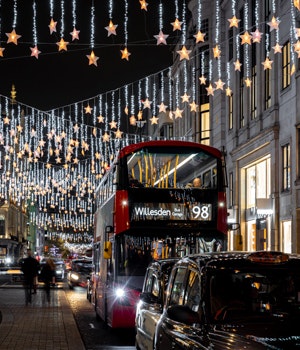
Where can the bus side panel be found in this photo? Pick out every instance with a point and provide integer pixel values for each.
(122, 220)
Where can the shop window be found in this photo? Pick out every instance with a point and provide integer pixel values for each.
(286, 167)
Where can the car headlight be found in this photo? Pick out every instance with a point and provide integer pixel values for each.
(74, 276)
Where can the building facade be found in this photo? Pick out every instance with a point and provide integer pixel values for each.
(248, 102)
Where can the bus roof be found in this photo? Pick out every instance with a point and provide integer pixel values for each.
(169, 143)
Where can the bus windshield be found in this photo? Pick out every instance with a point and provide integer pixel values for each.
(172, 168)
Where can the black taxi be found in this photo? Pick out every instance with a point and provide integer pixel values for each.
(232, 300)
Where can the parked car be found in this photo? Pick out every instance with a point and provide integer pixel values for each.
(80, 272)
(151, 301)
(232, 300)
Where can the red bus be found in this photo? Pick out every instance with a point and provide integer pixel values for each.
(158, 199)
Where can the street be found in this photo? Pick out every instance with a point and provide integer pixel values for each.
(93, 333)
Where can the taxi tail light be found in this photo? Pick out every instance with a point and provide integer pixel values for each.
(268, 257)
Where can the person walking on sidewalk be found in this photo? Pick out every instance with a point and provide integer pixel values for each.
(30, 269)
(48, 276)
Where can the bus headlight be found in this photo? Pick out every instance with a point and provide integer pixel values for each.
(120, 293)
(74, 276)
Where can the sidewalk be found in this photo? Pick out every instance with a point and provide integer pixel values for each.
(38, 326)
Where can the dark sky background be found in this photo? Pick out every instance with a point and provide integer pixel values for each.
(58, 79)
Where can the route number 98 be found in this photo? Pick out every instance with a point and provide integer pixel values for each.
(202, 212)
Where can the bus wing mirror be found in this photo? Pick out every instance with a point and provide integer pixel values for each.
(107, 250)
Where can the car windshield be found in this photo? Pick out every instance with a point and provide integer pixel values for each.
(82, 266)
(259, 293)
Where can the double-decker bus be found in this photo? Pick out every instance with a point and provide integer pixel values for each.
(149, 206)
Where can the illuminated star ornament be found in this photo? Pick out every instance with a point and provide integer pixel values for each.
(297, 4)
(125, 54)
(199, 37)
(267, 63)
(234, 22)
(193, 106)
(176, 25)
(237, 65)
(219, 84)
(161, 38)
(147, 103)
(256, 36)
(52, 26)
(185, 98)
(184, 53)
(228, 91)
(202, 80)
(248, 82)
(162, 108)
(144, 5)
(62, 45)
(210, 90)
(246, 38)
(13, 37)
(88, 109)
(277, 48)
(154, 120)
(217, 51)
(35, 52)
(118, 134)
(274, 24)
(75, 34)
(111, 28)
(92, 59)
(1, 51)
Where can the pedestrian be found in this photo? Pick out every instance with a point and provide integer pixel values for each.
(30, 268)
(48, 276)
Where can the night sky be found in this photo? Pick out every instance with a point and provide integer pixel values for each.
(58, 79)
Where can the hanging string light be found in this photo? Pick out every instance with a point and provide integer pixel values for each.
(199, 36)
(92, 57)
(34, 50)
(75, 32)
(111, 28)
(13, 37)
(125, 53)
(62, 44)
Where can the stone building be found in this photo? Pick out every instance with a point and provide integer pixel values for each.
(249, 108)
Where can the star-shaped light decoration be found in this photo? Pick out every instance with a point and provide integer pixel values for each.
(6, 120)
(147, 103)
(237, 65)
(176, 25)
(199, 37)
(293, 69)
(92, 59)
(35, 52)
(125, 54)
(75, 34)
(185, 98)
(246, 38)
(267, 63)
(62, 45)
(184, 53)
(248, 82)
(274, 24)
(100, 118)
(297, 4)
(219, 84)
(178, 113)
(162, 108)
(234, 22)
(161, 38)
(277, 48)
(144, 5)
(111, 28)
(113, 124)
(202, 80)
(297, 32)
(193, 106)
(52, 26)
(126, 110)
(13, 37)
(105, 137)
(297, 46)
(132, 120)
(140, 114)
(154, 120)
(210, 90)
(88, 109)
(228, 91)
(1, 51)
(76, 128)
(118, 134)
(256, 36)
(217, 51)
